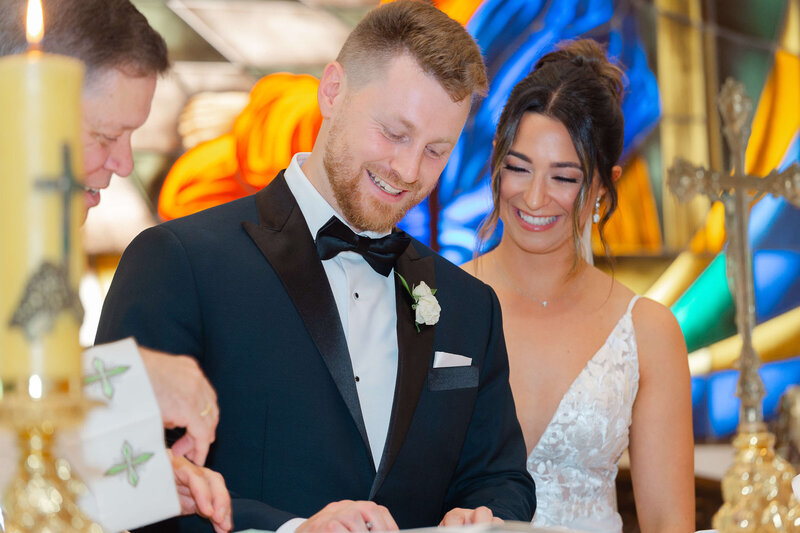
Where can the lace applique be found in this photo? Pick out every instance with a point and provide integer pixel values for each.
(574, 464)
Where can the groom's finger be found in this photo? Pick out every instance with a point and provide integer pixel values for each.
(480, 515)
(353, 516)
(454, 517)
(335, 526)
(378, 518)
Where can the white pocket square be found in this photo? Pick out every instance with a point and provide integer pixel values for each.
(445, 360)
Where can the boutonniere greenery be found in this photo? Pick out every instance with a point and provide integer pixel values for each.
(426, 306)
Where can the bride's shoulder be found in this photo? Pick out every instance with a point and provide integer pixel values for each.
(647, 314)
(655, 328)
(658, 334)
(650, 314)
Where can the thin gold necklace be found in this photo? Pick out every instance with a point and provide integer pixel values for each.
(529, 296)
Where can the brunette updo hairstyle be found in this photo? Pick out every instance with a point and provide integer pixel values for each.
(580, 88)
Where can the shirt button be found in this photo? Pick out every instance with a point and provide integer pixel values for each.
(358, 379)
(355, 296)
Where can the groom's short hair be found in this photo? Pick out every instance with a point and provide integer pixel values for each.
(441, 47)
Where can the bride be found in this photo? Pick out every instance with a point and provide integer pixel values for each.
(594, 368)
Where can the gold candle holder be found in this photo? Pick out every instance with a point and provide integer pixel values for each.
(43, 496)
(757, 489)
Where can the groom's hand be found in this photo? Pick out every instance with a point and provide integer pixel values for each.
(347, 515)
(463, 517)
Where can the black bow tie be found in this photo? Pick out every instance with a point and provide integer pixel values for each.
(381, 254)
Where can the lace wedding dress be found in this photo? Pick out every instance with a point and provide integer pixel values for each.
(574, 464)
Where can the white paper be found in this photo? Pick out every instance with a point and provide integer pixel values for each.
(127, 431)
(128, 414)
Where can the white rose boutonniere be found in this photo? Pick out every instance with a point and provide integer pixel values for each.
(425, 304)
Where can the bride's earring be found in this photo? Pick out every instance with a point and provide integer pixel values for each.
(596, 216)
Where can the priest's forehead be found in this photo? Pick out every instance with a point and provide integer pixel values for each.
(115, 102)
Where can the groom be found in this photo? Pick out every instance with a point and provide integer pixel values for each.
(343, 407)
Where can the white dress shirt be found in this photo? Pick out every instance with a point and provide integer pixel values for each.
(366, 304)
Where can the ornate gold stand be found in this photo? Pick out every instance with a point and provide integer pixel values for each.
(43, 496)
(757, 489)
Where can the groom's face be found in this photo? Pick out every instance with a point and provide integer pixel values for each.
(389, 142)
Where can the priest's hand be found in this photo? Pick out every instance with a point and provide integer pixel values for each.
(202, 491)
(186, 399)
(348, 515)
(463, 517)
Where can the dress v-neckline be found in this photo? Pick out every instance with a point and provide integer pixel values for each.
(580, 373)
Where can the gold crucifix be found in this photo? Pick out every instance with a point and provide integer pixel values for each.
(756, 489)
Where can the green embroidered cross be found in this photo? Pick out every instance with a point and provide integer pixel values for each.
(129, 464)
(103, 375)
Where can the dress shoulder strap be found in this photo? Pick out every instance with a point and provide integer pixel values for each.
(632, 303)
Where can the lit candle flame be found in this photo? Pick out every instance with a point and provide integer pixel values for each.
(35, 23)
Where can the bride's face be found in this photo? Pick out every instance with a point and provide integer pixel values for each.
(540, 179)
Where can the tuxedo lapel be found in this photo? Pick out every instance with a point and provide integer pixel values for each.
(284, 239)
(415, 350)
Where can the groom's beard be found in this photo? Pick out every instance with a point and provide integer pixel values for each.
(349, 182)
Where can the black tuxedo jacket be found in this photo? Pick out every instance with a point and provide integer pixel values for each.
(241, 288)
